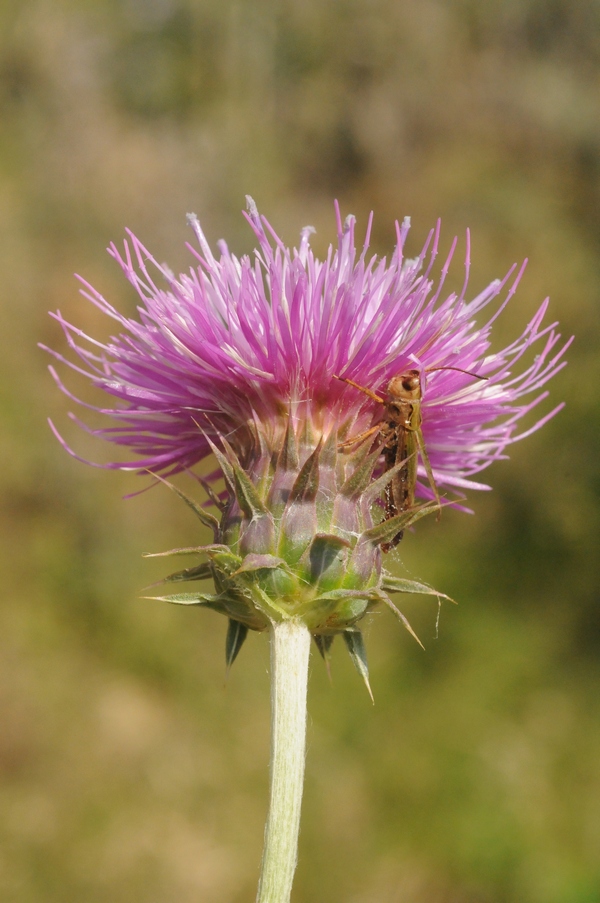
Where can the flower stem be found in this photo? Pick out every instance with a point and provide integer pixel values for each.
(290, 647)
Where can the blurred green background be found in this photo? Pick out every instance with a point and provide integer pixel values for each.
(130, 772)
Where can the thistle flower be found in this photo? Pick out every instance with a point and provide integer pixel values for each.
(238, 357)
(259, 361)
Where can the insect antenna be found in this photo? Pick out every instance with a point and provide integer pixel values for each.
(458, 370)
(366, 391)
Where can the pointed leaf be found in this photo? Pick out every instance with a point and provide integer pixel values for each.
(208, 519)
(225, 560)
(223, 463)
(200, 572)
(189, 550)
(186, 598)
(377, 487)
(267, 606)
(335, 594)
(236, 634)
(217, 502)
(343, 429)
(398, 585)
(330, 450)
(323, 643)
(248, 498)
(324, 554)
(262, 447)
(306, 437)
(361, 477)
(208, 549)
(358, 654)
(230, 453)
(402, 618)
(332, 539)
(306, 484)
(245, 491)
(253, 562)
(288, 453)
(340, 608)
(363, 447)
(387, 529)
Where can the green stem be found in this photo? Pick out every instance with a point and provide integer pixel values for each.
(290, 647)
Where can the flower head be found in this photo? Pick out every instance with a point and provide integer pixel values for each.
(250, 358)
(262, 339)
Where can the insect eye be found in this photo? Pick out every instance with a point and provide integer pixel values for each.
(410, 383)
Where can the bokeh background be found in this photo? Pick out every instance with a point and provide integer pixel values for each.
(130, 772)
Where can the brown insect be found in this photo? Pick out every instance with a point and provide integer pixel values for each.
(402, 441)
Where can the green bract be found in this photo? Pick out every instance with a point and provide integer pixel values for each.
(296, 539)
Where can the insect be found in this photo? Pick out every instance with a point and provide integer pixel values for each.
(402, 441)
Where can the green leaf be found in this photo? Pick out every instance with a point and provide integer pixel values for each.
(306, 484)
(212, 549)
(288, 453)
(335, 594)
(358, 654)
(398, 585)
(306, 434)
(361, 477)
(223, 463)
(329, 451)
(248, 498)
(323, 552)
(225, 560)
(323, 643)
(336, 612)
(402, 618)
(387, 529)
(189, 550)
(266, 605)
(245, 491)
(263, 448)
(186, 599)
(217, 502)
(202, 571)
(377, 488)
(236, 634)
(343, 429)
(208, 519)
(254, 562)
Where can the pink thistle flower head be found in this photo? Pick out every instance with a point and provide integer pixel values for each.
(258, 359)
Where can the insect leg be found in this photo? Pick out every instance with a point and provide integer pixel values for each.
(429, 471)
(368, 392)
(361, 436)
